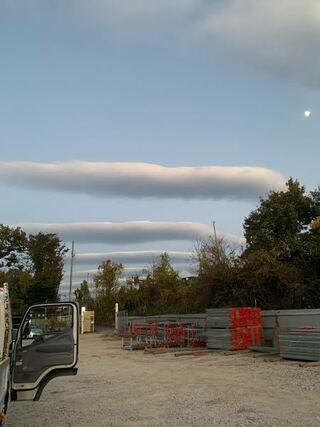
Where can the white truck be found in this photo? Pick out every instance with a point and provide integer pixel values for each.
(45, 346)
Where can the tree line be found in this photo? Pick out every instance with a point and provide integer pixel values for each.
(279, 266)
(32, 265)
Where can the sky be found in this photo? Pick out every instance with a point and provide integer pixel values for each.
(129, 126)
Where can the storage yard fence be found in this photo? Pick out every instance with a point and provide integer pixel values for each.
(293, 334)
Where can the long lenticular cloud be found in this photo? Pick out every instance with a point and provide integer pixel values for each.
(132, 257)
(128, 232)
(83, 274)
(143, 180)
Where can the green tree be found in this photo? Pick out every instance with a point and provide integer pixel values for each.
(218, 274)
(14, 266)
(107, 284)
(46, 252)
(161, 285)
(281, 260)
(130, 296)
(267, 282)
(279, 220)
(83, 296)
(19, 282)
(160, 291)
(13, 244)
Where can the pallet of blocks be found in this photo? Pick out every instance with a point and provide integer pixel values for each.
(235, 328)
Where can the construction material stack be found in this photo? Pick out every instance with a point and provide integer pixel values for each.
(294, 334)
(234, 328)
(87, 321)
(300, 344)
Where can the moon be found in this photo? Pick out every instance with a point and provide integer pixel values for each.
(307, 113)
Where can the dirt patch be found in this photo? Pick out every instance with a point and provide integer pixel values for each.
(130, 389)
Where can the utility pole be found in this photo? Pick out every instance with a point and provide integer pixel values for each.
(215, 232)
(216, 239)
(71, 269)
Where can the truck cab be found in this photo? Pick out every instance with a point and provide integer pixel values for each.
(43, 347)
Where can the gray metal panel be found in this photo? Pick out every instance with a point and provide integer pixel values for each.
(218, 318)
(291, 318)
(300, 344)
(288, 319)
(219, 338)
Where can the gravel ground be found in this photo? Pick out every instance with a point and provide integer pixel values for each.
(130, 389)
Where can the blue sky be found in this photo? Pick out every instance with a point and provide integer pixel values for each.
(187, 83)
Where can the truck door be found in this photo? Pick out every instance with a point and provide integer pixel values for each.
(46, 346)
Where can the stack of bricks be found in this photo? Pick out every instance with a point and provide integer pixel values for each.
(234, 328)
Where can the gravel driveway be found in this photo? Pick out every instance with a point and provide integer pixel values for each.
(120, 388)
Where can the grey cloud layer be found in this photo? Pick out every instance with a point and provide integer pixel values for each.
(132, 257)
(128, 10)
(281, 36)
(128, 232)
(82, 274)
(143, 180)
(139, 19)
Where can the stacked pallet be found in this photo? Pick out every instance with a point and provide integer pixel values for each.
(234, 328)
(87, 321)
(293, 333)
(300, 344)
(275, 321)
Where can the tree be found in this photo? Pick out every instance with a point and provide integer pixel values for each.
(218, 271)
(161, 285)
(107, 283)
(33, 266)
(83, 296)
(130, 297)
(160, 291)
(283, 248)
(268, 282)
(14, 265)
(46, 252)
(13, 243)
(281, 218)
(19, 282)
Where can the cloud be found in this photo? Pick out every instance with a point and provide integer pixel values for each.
(136, 18)
(144, 9)
(83, 274)
(142, 180)
(131, 257)
(281, 36)
(128, 232)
